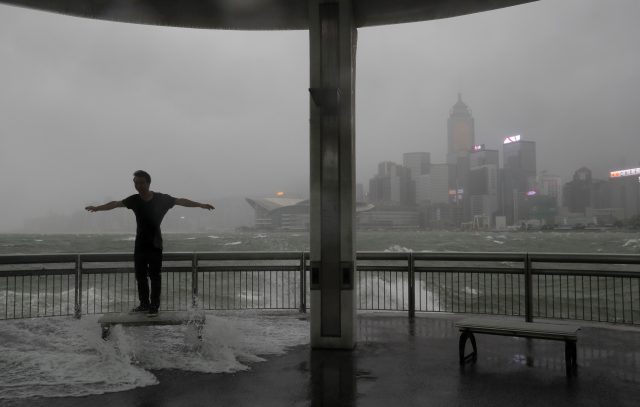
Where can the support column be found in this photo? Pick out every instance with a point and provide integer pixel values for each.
(332, 38)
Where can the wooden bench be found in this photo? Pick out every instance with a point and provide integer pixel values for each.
(141, 319)
(535, 330)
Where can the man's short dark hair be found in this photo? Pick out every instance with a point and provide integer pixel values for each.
(144, 174)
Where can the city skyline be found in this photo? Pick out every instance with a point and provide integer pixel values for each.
(226, 113)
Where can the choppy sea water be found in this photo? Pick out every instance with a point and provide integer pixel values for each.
(568, 242)
(62, 356)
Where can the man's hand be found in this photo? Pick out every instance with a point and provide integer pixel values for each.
(207, 206)
(105, 207)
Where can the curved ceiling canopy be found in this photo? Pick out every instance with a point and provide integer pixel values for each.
(257, 14)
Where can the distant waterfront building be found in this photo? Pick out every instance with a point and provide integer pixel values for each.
(518, 177)
(460, 131)
(438, 185)
(391, 185)
(280, 213)
(418, 163)
(395, 217)
(625, 188)
(483, 185)
(550, 185)
(578, 192)
(277, 213)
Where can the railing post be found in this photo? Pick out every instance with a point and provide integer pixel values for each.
(412, 287)
(303, 283)
(194, 280)
(77, 308)
(528, 289)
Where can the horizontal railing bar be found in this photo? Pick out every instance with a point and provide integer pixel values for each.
(587, 273)
(470, 256)
(403, 269)
(216, 269)
(106, 257)
(474, 270)
(382, 256)
(247, 256)
(599, 258)
(37, 258)
(38, 272)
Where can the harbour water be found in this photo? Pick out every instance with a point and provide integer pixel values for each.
(621, 242)
(61, 356)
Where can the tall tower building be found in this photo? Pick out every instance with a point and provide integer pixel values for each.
(483, 185)
(519, 177)
(460, 131)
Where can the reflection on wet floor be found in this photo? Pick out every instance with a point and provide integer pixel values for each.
(614, 349)
(400, 362)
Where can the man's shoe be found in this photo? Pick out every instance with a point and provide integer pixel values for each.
(140, 308)
(153, 312)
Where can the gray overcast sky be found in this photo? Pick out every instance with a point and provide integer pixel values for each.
(214, 114)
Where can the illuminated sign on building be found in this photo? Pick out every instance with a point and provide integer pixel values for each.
(511, 139)
(478, 147)
(531, 193)
(624, 173)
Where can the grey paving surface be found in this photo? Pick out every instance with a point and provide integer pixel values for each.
(399, 363)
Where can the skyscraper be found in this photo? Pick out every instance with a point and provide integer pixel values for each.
(519, 177)
(417, 162)
(391, 185)
(483, 184)
(460, 131)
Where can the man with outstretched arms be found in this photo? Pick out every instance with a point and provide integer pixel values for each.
(149, 208)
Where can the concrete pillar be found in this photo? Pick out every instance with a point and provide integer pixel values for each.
(332, 37)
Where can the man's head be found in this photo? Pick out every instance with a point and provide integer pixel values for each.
(141, 181)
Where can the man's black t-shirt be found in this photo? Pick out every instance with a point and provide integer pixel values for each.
(149, 216)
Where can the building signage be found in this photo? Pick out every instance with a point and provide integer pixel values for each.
(478, 147)
(511, 139)
(624, 173)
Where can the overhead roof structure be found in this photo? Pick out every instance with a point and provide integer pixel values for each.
(332, 30)
(257, 14)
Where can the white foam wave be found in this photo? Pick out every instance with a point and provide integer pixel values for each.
(62, 356)
(397, 248)
(232, 243)
(213, 237)
(471, 291)
(126, 239)
(390, 292)
(634, 243)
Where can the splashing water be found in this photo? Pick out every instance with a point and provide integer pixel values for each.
(62, 356)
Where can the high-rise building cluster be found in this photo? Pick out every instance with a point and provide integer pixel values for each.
(475, 189)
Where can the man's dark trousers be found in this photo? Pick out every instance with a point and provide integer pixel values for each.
(148, 265)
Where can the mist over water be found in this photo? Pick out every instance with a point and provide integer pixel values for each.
(417, 241)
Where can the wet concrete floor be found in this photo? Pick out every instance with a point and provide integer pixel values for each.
(402, 363)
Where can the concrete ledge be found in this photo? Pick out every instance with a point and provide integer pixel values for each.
(141, 319)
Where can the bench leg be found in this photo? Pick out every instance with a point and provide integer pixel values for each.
(571, 357)
(105, 332)
(464, 335)
(199, 328)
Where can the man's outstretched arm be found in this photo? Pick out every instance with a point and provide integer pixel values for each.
(192, 204)
(106, 207)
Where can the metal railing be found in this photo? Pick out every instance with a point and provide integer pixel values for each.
(592, 287)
